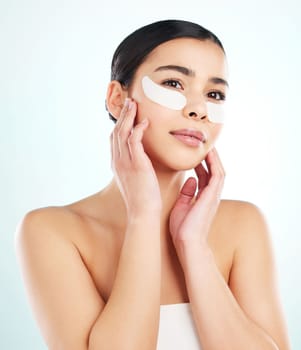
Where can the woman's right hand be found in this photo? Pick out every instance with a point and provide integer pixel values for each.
(134, 173)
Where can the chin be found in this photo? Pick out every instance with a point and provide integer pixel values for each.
(176, 158)
(177, 163)
(185, 165)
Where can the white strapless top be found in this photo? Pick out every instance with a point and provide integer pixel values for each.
(177, 330)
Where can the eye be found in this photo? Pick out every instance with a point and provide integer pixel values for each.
(217, 95)
(173, 83)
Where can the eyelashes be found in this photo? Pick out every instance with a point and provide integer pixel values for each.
(217, 95)
(221, 95)
(173, 83)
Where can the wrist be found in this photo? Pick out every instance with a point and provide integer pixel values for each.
(194, 253)
(145, 217)
(144, 212)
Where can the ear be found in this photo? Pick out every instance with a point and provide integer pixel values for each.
(116, 95)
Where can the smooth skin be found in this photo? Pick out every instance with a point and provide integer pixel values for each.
(97, 270)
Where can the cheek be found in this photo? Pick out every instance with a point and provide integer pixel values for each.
(215, 131)
(156, 114)
(160, 123)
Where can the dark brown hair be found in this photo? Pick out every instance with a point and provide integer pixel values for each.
(136, 47)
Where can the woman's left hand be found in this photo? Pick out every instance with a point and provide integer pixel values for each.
(197, 204)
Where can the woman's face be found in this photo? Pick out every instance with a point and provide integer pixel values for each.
(190, 67)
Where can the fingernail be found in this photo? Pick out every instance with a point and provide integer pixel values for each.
(131, 104)
(126, 102)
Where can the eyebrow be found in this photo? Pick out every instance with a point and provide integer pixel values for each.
(180, 69)
(190, 73)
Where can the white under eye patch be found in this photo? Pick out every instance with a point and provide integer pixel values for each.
(164, 97)
(215, 112)
(176, 100)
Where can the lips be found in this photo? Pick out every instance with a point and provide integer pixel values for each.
(189, 134)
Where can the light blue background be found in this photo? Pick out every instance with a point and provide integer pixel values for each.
(54, 145)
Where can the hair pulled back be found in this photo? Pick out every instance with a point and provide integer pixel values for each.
(136, 47)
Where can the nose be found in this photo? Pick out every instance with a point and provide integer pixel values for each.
(196, 115)
(196, 109)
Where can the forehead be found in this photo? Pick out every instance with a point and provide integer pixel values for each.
(203, 57)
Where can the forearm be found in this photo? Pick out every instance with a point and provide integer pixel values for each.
(218, 317)
(131, 316)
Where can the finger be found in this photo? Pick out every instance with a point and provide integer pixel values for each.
(115, 147)
(187, 192)
(112, 149)
(123, 129)
(127, 122)
(135, 140)
(122, 115)
(216, 171)
(203, 177)
(116, 152)
(214, 165)
(189, 187)
(219, 162)
(126, 128)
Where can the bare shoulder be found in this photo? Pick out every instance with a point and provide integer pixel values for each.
(51, 214)
(241, 218)
(58, 282)
(239, 209)
(53, 220)
(238, 227)
(73, 222)
(253, 276)
(44, 229)
(235, 221)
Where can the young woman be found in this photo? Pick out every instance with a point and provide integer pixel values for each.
(154, 260)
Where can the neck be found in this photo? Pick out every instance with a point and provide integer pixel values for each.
(170, 184)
